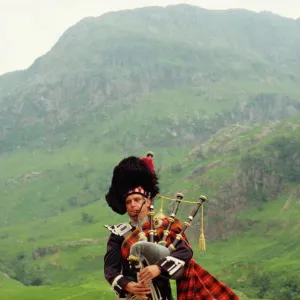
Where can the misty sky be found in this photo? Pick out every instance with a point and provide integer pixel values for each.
(29, 28)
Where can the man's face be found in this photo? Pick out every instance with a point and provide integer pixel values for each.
(134, 203)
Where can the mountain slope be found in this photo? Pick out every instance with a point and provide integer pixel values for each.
(104, 67)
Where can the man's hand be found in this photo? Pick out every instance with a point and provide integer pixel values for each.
(148, 273)
(137, 289)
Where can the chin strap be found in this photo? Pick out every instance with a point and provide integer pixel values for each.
(141, 233)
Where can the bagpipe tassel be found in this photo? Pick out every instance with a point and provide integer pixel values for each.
(202, 244)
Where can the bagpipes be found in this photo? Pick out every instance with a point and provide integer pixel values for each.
(148, 250)
(154, 251)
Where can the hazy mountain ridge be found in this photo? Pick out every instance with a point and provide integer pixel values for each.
(101, 65)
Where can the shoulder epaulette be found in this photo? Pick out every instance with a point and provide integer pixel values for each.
(120, 229)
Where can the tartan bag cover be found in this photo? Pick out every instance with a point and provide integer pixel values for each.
(196, 283)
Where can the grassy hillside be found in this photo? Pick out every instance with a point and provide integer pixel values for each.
(45, 244)
(251, 173)
(7, 282)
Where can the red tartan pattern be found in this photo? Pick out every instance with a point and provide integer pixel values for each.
(133, 237)
(197, 283)
(137, 190)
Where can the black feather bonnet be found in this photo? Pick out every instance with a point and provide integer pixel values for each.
(132, 175)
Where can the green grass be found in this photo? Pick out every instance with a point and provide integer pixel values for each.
(7, 283)
(88, 291)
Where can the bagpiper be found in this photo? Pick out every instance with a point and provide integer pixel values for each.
(146, 253)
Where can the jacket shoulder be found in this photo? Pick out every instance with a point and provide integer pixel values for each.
(119, 229)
